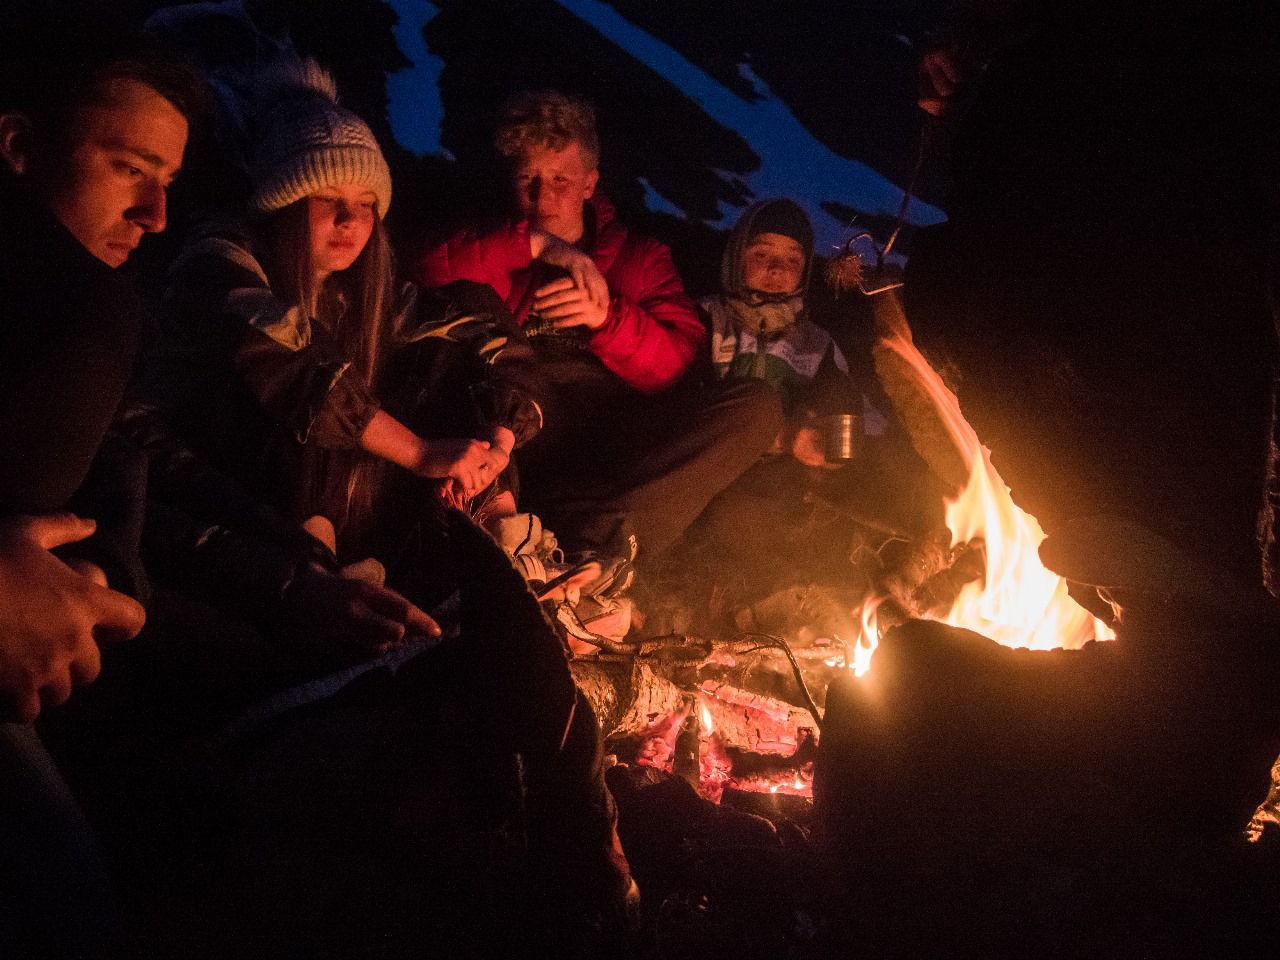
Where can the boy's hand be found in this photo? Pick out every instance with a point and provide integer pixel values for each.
(582, 270)
(568, 305)
(806, 446)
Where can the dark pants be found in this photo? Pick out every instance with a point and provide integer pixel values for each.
(782, 520)
(54, 897)
(240, 800)
(610, 460)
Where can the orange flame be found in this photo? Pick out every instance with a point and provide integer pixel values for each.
(715, 767)
(704, 714)
(1018, 602)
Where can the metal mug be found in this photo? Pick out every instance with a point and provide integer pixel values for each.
(843, 436)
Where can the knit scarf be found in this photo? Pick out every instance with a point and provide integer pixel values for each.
(766, 318)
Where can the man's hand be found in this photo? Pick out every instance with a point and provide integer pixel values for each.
(568, 305)
(51, 615)
(501, 438)
(326, 617)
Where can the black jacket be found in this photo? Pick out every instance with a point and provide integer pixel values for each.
(69, 328)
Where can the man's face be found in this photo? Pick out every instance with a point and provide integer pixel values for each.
(551, 187)
(111, 187)
(773, 263)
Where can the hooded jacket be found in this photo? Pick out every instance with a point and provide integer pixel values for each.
(651, 335)
(798, 357)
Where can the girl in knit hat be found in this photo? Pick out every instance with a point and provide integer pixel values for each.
(303, 367)
(293, 362)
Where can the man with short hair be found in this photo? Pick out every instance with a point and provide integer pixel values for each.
(86, 169)
(90, 145)
(629, 442)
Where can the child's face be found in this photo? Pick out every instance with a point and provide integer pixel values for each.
(773, 264)
(552, 185)
(341, 220)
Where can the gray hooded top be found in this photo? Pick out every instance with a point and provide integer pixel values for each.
(767, 336)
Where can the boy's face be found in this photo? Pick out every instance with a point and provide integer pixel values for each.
(552, 185)
(773, 263)
(108, 183)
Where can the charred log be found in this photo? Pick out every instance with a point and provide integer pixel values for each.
(753, 721)
(747, 763)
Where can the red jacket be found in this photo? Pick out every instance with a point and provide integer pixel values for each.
(651, 335)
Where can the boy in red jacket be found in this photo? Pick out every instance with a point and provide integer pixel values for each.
(631, 443)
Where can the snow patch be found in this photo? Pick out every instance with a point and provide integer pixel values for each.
(793, 163)
(656, 202)
(414, 106)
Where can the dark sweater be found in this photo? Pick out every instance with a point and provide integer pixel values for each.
(69, 327)
(68, 335)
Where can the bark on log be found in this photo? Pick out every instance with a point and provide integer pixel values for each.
(919, 416)
(626, 695)
(629, 697)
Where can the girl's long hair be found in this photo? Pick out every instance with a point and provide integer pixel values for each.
(354, 310)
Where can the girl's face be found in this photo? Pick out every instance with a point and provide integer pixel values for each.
(341, 220)
(773, 264)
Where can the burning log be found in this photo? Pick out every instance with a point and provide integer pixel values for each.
(929, 577)
(747, 764)
(753, 721)
(629, 694)
(675, 711)
(919, 416)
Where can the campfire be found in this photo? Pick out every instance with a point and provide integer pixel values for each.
(738, 714)
(1015, 601)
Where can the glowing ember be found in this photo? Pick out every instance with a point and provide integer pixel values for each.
(796, 784)
(1018, 602)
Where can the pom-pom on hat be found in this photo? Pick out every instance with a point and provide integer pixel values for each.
(303, 140)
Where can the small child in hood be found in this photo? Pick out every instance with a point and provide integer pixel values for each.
(781, 519)
(760, 328)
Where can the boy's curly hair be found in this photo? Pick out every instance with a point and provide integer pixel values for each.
(546, 118)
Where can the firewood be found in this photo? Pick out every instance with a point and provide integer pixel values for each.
(967, 563)
(919, 416)
(752, 721)
(912, 567)
(628, 696)
(748, 763)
